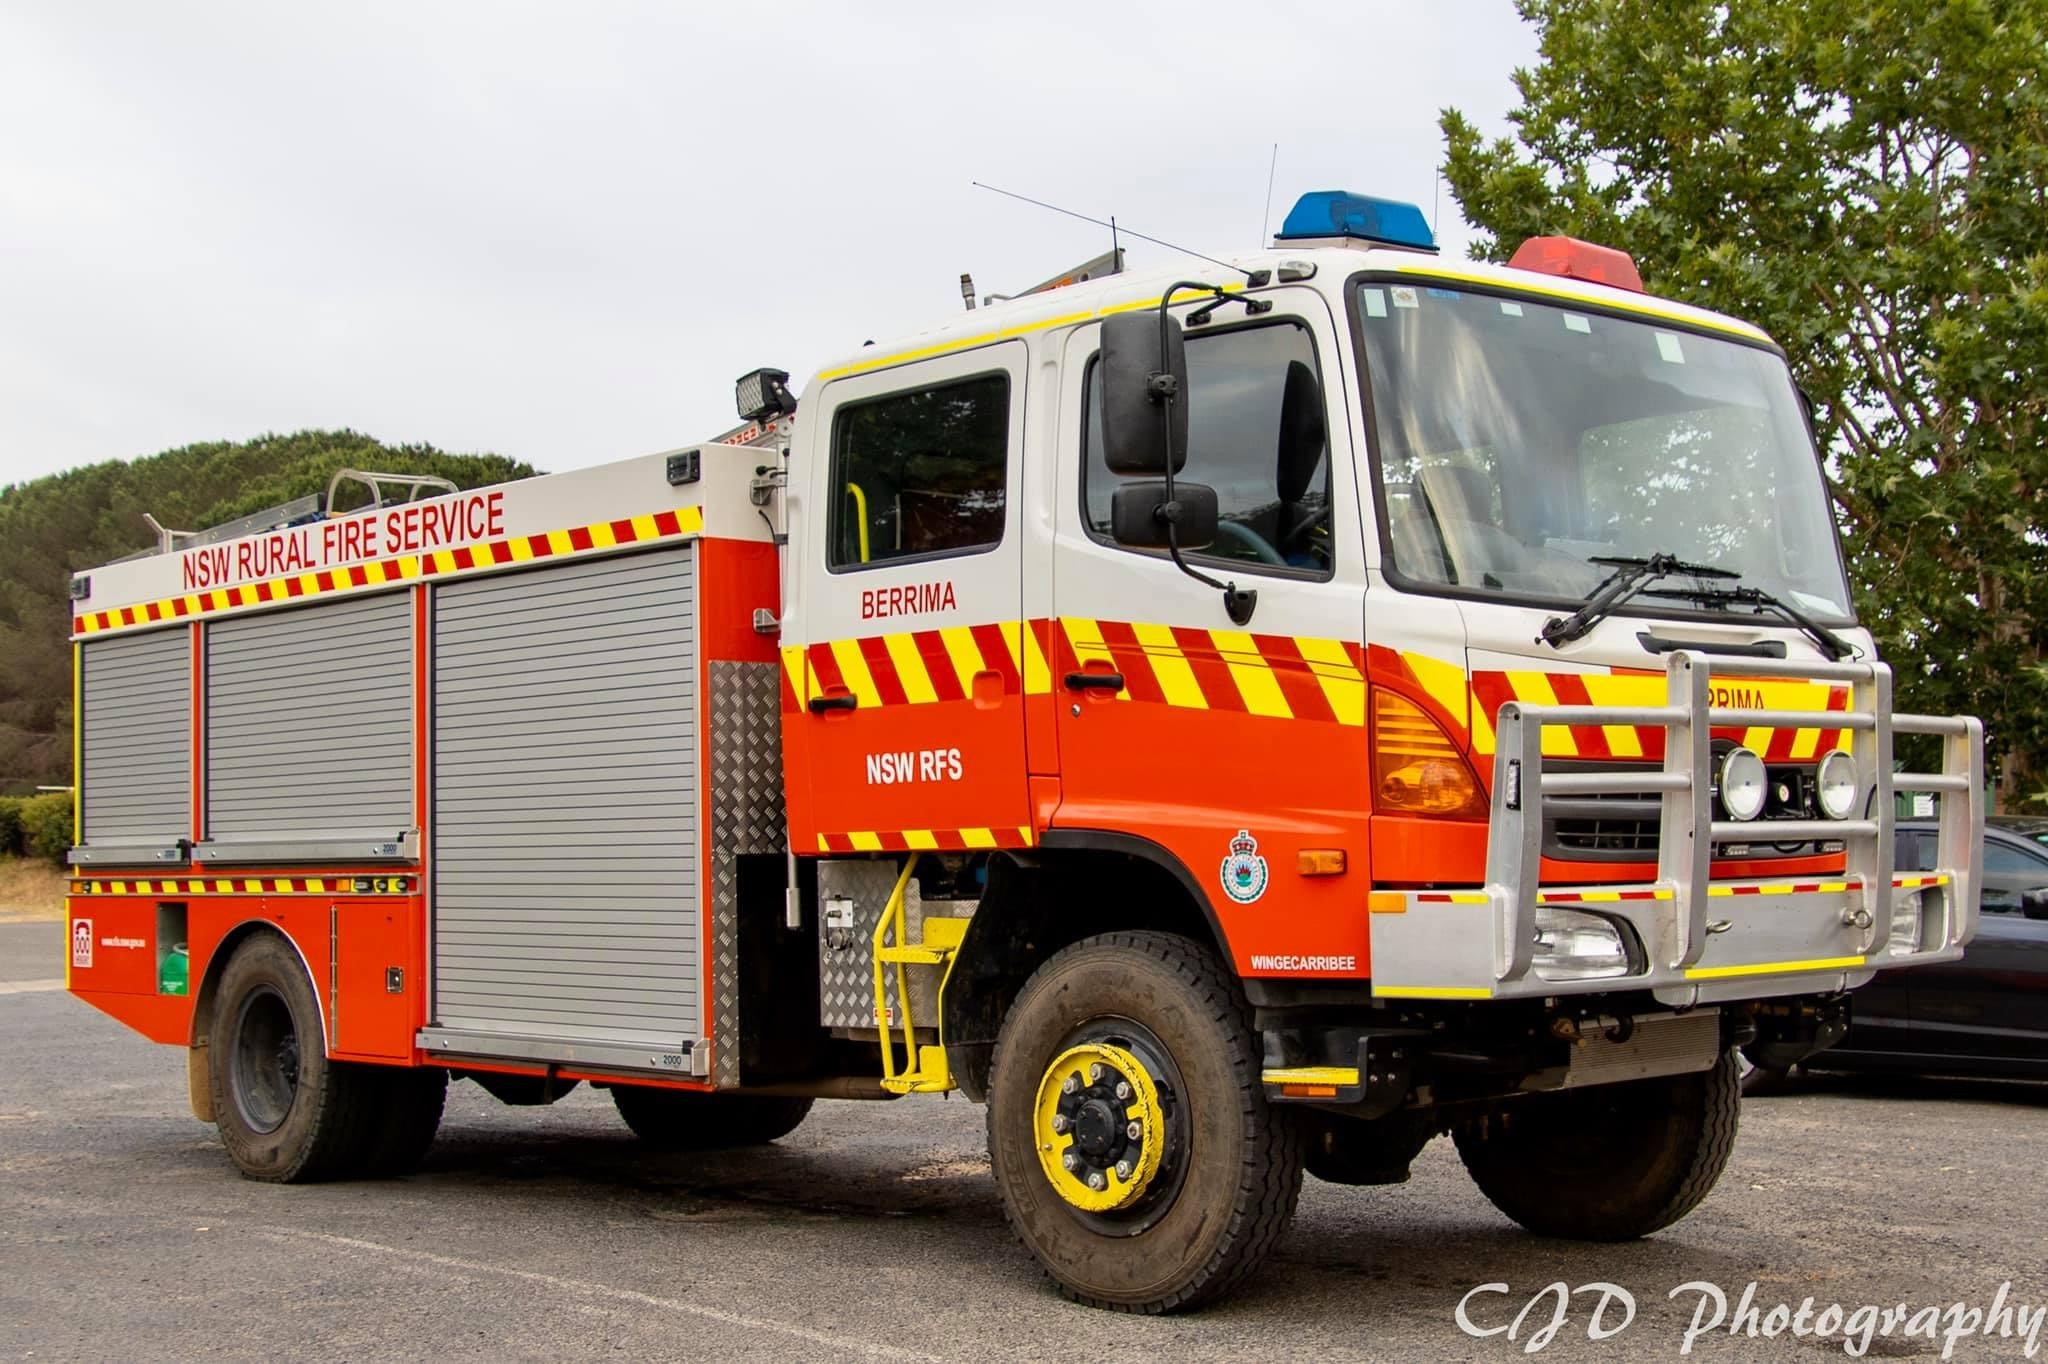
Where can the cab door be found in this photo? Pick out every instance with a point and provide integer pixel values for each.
(907, 664)
(1235, 748)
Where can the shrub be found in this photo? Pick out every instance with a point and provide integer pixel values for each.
(46, 826)
(10, 825)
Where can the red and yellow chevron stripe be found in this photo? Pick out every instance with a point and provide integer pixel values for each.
(927, 840)
(1471, 703)
(254, 885)
(600, 535)
(1279, 676)
(918, 667)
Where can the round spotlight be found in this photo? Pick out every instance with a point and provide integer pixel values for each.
(1836, 786)
(1744, 784)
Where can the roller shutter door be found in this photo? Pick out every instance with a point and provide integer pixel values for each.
(565, 802)
(137, 738)
(309, 721)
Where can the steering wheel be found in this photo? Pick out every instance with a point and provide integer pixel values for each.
(1244, 536)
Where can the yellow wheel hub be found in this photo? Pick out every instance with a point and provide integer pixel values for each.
(1098, 1126)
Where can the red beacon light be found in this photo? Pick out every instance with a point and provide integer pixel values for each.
(1574, 259)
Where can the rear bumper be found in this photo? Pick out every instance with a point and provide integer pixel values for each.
(1694, 940)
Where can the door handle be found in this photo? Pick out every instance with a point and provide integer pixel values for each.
(820, 704)
(1095, 681)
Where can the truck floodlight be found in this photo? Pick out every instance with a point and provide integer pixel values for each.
(1743, 784)
(1835, 785)
(1335, 213)
(763, 394)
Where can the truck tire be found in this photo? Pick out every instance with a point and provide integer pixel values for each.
(409, 1118)
(690, 1120)
(1128, 1127)
(1609, 1163)
(287, 1114)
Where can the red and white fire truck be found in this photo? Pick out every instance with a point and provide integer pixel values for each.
(1226, 724)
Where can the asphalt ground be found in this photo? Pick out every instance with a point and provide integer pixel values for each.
(874, 1232)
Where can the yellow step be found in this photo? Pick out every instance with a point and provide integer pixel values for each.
(942, 937)
(932, 1076)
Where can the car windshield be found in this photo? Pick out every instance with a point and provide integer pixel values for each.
(1519, 441)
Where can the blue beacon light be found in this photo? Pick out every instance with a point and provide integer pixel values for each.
(1338, 213)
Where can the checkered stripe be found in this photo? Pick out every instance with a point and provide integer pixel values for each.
(599, 535)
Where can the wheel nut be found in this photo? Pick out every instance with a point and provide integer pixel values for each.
(1070, 1160)
(1094, 1071)
(1123, 1090)
(1123, 1169)
(1059, 1122)
(1096, 1181)
(1134, 1129)
(1070, 1085)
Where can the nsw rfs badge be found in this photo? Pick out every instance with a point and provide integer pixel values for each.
(1244, 871)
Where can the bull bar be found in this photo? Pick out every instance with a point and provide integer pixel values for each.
(1702, 940)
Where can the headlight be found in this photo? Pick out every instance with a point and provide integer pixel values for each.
(1743, 784)
(1835, 785)
(1574, 945)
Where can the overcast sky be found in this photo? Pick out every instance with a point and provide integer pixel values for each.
(560, 231)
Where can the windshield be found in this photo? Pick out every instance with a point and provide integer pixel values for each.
(1518, 441)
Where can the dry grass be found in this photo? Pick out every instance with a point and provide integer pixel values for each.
(30, 889)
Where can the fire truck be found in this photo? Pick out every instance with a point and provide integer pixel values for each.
(1229, 722)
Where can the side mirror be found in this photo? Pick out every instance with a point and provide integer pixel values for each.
(1138, 426)
(1139, 513)
(2034, 904)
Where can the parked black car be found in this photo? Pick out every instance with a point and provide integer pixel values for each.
(1986, 1014)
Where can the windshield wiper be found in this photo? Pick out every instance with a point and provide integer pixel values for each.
(1760, 601)
(1630, 576)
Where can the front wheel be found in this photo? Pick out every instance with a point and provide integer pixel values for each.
(1609, 1163)
(1128, 1126)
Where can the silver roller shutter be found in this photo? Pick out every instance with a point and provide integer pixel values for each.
(137, 745)
(309, 725)
(564, 820)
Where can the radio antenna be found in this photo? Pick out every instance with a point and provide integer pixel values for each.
(1266, 217)
(1113, 226)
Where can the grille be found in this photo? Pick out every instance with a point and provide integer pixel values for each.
(1622, 826)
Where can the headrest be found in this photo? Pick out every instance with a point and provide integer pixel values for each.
(1302, 436)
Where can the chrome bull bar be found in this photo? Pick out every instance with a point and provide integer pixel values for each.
(1811, 935)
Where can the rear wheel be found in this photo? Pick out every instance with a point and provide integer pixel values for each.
(1609, 1163)
(691, 1120)
(286, 1113)
(410, 1104)
(1128, 1127)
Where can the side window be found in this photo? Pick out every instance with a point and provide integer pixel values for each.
(919, 474)
(1275, 510)
(2004, 857)
(1911, 851)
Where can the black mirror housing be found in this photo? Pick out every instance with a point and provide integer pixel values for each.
(1138, 426)
(2034, 903)
(1135, 514)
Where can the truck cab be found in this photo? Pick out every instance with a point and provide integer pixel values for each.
(1230, 721)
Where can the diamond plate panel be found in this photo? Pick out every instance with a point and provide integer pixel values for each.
(747, 816)
(846, 959)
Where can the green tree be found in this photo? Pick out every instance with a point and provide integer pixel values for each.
(1868, 181)
(52, 527)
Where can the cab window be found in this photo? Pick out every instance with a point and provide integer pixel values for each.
(919, 474)
(1274, 508)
